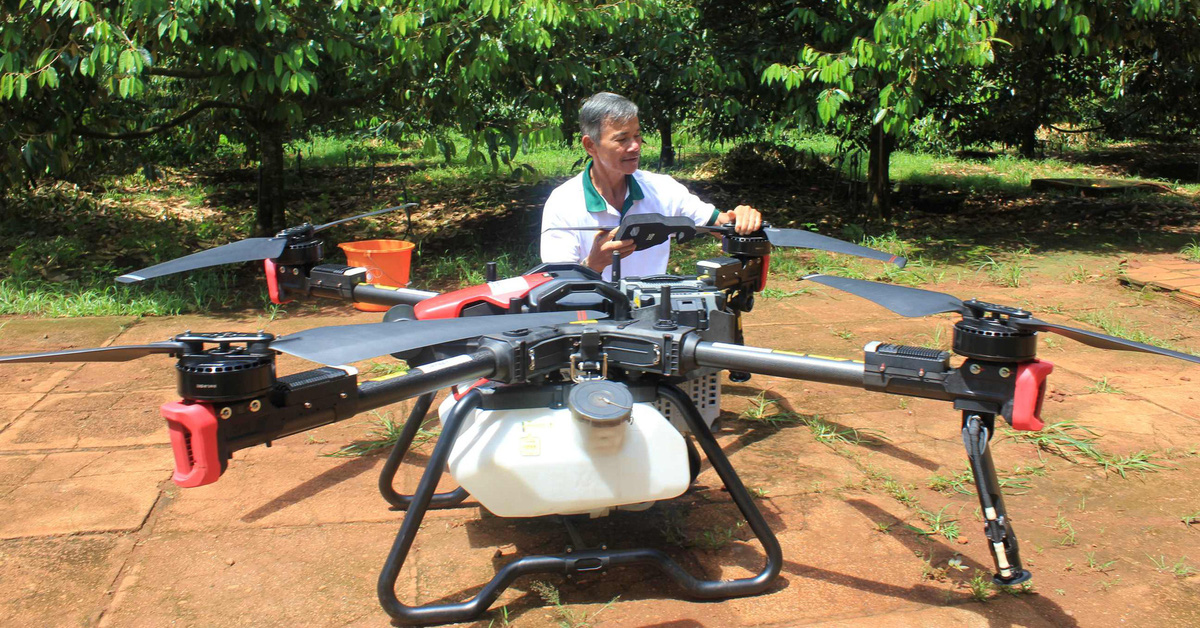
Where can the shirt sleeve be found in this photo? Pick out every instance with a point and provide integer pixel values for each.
(684, 203)
(559, 246)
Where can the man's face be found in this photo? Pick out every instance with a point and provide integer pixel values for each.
(619, 147)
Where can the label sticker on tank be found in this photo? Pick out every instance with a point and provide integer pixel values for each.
(530, 445)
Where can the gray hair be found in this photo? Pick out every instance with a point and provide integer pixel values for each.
(604, 106)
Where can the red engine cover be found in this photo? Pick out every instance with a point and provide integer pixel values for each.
(451, 304)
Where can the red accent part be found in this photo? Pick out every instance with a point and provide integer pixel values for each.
(762, 279)
(273, 282)
(193, 429)
(459, 394)
(498, 293)
(1027, 399)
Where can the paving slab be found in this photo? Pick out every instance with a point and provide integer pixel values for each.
(59, 581)
(103, 503)
(67, 420)
(319, 576)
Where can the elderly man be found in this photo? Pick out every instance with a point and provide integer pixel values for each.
(611, 186)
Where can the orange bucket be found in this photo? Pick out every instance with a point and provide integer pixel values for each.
(387, 263)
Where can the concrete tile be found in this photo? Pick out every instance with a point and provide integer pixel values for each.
(322, 576)
(65, 429)
(77, 505)
(59, 581)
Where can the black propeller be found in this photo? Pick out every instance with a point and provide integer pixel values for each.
(248, 250)
(652, 229)
(914, 302)
(340, 344)
(343, 344)
(101, 354)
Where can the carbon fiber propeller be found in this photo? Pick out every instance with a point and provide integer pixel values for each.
(341, 344)
(914, 302)
(248, 250)
(685, 229)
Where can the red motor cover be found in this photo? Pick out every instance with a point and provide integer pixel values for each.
(193, 429)
(273, 282)
(1027, 399)
(451, 304)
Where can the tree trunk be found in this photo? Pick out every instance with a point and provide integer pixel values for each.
(879, 184)
(667, 154)
(269, 218)
(570, 120)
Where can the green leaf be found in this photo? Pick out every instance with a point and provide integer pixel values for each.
(278, 65)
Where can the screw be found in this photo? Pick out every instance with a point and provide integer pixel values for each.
(975, 369)
(226, 412)
(342, 395)
(295, 271)
(255, 405)
(307, 405)
(882, 368)
(1005, 371)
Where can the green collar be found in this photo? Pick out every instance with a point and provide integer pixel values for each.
(596, 203)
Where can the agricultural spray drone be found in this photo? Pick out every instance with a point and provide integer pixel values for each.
(574, 395)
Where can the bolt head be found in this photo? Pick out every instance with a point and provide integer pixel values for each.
(255, 405)
(226, 412)
(976, 369)
(1005, 371)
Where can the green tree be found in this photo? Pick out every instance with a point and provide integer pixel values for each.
(274, 66)
(871, 67)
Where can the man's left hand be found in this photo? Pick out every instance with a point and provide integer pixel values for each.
(746, 219)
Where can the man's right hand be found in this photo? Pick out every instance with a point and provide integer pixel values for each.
(603, 247)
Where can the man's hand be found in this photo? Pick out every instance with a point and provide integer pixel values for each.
(746, 219)
(603, 247)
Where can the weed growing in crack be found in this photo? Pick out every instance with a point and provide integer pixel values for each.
(939, 523)
(1104, 386)
(981, 586)
(383, 434)
(1179, 569)
(1188, 520)
(1103, 566)
(567, 617)
(1062, 525)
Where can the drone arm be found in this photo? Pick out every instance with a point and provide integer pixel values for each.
(779, 363)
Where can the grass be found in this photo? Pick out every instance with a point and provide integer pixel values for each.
(1071, 441)
(1100, 565)
(964, 483)
(1179, 568)
(981, 586)
(939, 523)
(1193, 518)
(1191, 251)
(1069, 536)
(1104, 386)
(567, 617)
(1005, 274)
(382, 435)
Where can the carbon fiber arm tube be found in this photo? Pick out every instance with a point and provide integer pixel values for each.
(426, 378)
(769, 362)
(379, 295)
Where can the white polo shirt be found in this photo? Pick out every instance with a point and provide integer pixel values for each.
(576, 203)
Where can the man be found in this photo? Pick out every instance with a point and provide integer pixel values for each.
(611, 186)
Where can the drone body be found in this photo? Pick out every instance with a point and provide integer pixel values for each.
(566, 393)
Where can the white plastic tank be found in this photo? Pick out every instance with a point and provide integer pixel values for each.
(540, 461)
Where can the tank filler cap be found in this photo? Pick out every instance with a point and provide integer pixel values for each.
(601, 403)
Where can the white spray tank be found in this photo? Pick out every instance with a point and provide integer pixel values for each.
(602, 451)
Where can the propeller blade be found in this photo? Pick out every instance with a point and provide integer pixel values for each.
(374, 213)
(247, 250)
(102, 354)
(808, 240)
(343, 344)
(905, 301)
(1100, 341)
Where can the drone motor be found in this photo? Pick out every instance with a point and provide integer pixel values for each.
(240, 366)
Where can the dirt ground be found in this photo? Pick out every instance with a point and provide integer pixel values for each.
(94, 533)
